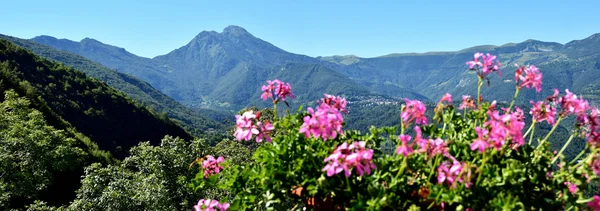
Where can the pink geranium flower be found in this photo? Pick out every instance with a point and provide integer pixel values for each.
(529, 76)
(480, 143)
(335, 102)
(248, 125)
(595, 203)
(505, 127)
(570, 104)
(276, 90)
(450, 173)
(572, 187)
(245, 126)
(485, 66)
(326, 123)
(467, 102)
(414, 110)
(404, 149)
(211, 165)
(447, 98)
(210, 205)
(542, 112)
(350, 157)
(264, 131)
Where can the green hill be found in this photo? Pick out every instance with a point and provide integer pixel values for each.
(71, 99)
(197, 123)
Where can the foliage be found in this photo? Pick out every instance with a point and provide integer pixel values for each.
(477, 157)
(151, 178)
(35, 158)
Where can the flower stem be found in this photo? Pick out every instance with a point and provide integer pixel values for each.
(563, 148)
(274, 109)
(551, 131)
(479, 83)
(579, 155)
(513, 100)
(532, 128)
(437, 161)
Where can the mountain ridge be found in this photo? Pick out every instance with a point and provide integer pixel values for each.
(207, 61)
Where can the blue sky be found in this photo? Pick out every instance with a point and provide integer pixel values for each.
(315, 28)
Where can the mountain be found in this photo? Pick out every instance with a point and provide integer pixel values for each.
(71, 100)
(209, 69)
(193, 121)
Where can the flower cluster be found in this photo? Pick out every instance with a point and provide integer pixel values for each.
(210, 205)
(467, 102)
(430, 147)
(414, 110)
(348, 157)
(335, 102)
(542, 111)
(485, 66)
(571, 104)
(248, 125)
(454, 173)
(211, 165)
(325, 122)
(277, 90)
(502, 128)
(528, 76)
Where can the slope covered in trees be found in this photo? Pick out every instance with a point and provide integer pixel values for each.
(193, 121)
(71, 99)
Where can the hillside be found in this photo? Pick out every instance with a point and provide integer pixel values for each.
(194, 122)
(72, 99)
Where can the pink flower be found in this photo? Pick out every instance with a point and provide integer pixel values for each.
(531, 79)
(554, 97)
(596, 166)
(505, 127)
(480, 143)
(276, 88)
(284, 90)
(350, 157)
(594, 204)
(475, 62)
(404, 148)
(268, 89)
(245, 126)
(414, 110)
(467, 102)
(210, 205)
(211, 165)
(570, 104)
(335, 102)
(450, 173)
(542, 112)
(484, 67)
(447, 98)
(572, 187)
(264, 131)
(326, 123)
